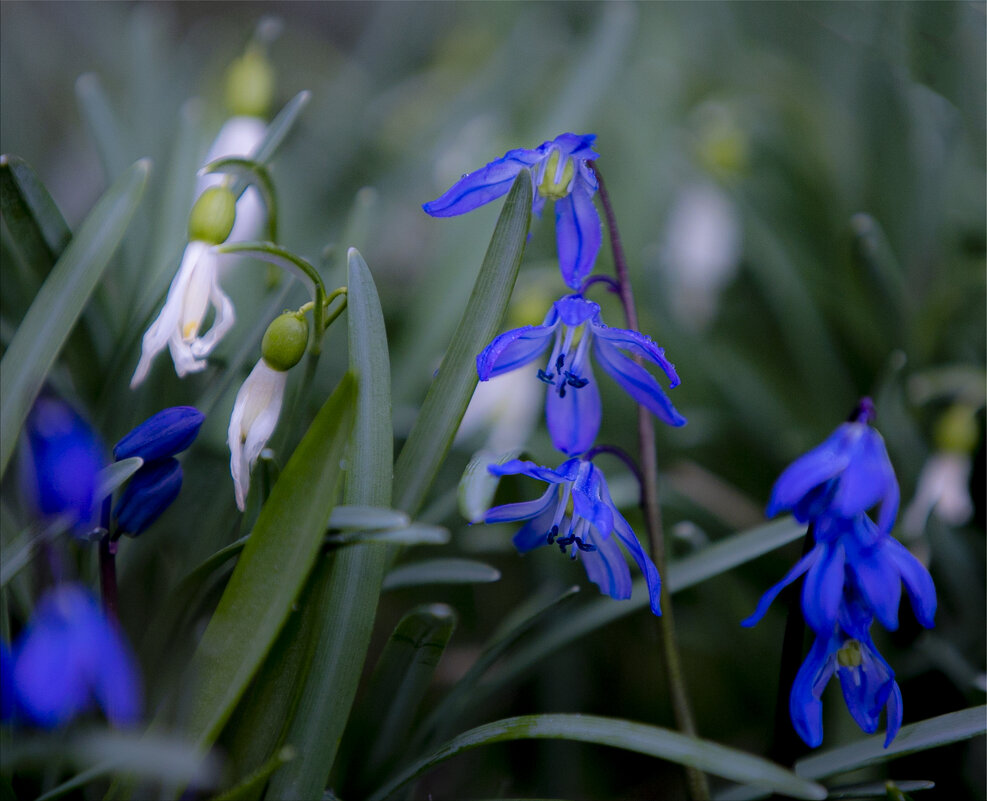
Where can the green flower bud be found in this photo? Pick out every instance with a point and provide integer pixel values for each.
(285, 341)
(212, 216)
(956, 430)
(250, 84)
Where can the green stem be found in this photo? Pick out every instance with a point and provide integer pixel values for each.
(698, 786)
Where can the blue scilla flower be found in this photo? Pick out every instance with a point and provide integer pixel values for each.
(844, 476)
(71, 656)
(154, 487)
(576, 510)
(854, 553)
(559, 171)
(866, 678)
(60, 458)
(572, 407)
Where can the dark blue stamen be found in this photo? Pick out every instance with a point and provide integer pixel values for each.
(584, 546)
(561, 390)
(548, 378)
(560, 363)
(574, 380)
(553, 534)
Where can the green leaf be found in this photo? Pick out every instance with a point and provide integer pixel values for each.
(930, 733)
(103, 125)
(19, 553)
(352, 577)
(112, 476)
(415, 534)
(279, 128)
(275, 562)
(878, 789)
(60, 301)
(682, 574)
(253, 785)
(440, 571)
(450, 393)
(703, 755)
(399, 682)
(30, 215)
(366, 517)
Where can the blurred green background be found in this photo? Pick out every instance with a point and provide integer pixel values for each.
(801, 193)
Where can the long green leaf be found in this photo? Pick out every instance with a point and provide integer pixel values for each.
(30, 214)
(60, 301)
(279, 128)
(703, 755)
(452, 389)
(930, 733)
(272, 569)
(103, 124)
(682, 574)
(253, 785)
(440, 571)
(353, 576)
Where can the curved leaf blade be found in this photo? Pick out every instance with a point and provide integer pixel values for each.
(61, 300)
(703, 755)
(440, 571)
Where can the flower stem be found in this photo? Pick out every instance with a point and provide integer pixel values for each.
(108, 563)
(698, 786)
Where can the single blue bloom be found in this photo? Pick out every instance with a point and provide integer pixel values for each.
(166, 433)
(855, 553)
(572, 407)
(587, 526)
(151, 490)
(844, 476)
(6, 683)
(558, 172)
(60, 459)
(866, 678)
(69, 656)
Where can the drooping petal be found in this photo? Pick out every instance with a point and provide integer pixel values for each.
(578, 146)
(629, 540)
(637, 382)
(587, 501)
(513, 349)
(637, 344)
(255, 415)
(523, 467)
(918, 582)
(477, 188)
(225, 318)
(525, 510)
(823, 588)
(801, 567)
(117, 682)
(535, 532)
(866, 687)
(877, 578)
(895, 713)
(607, 568)
(805, 704)
(166, 433)
(867, 478)
(813, 468)
(183, 358)
(578, 233)
(574, 420)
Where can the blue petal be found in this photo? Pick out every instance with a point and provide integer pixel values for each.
(480, 187)
(575, 310)
(513, 349)
(525, 510)
(868, 478)
(574, 421)
(877, 578)
(811, 469)
(823, 589)
(565, 472)
(801, 566)
(149, 493)
(866, 688)
(805, 704)
(534, 533)
(637, 382)
(579, 146)
(607, 568)
(638, 345)
(651, 577)
(117, 682)
(587, 502)
(918, 582)
(166, 433)
(895, 713)
(6, 683)
(578, 233)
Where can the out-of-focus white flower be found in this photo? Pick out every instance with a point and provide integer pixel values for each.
(944, 490)
(238, 137)
(255, 415)
(701, 252)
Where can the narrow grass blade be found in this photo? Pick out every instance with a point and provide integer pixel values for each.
(253, 785)
(452, 389)
(703, 755)
(103, 125)
(879, 789)
(415, 534)
(440, 571)
(112, 476)
(352, 577)
(60, 301)
(930, 733)
(30, 215)
(275, 562)
(358, 516)
(279, 128)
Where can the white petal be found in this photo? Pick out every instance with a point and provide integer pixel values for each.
(225, 317)
(255, 415)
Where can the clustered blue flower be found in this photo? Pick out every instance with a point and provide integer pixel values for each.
(853, 574)
(577, 509)
(69, 658)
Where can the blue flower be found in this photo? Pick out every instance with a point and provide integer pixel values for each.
(558, 172)
(154, 487)
(6, 683)
(844, 476)
(572, 407)
(866, 679)
(70, 656)
(591, 525)
(60, 458)
(854, 553)
(166, 433)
